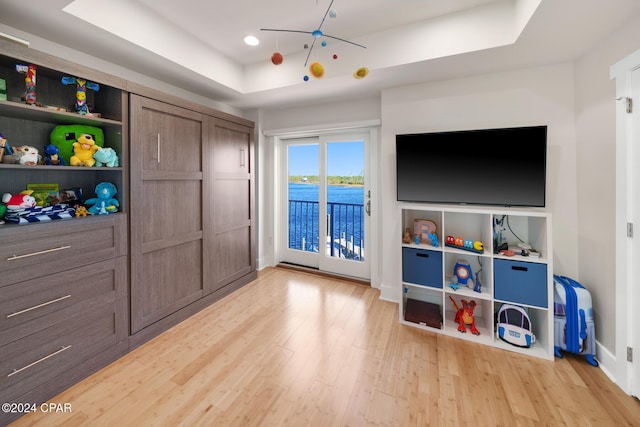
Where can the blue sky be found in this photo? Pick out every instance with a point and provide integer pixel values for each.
(343, 159)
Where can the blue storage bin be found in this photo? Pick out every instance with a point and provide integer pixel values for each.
(520, 282)
(422, 267)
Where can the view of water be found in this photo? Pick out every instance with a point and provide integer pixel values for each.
(335, 193)
(345, 209)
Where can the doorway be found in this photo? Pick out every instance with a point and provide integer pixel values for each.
(627, 76)
(325, 203)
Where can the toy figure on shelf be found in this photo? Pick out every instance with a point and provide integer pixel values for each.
(3, 144)
(29, 72)
(106, 157)
(52, 156)
(25, 155)
(105, 203)
(462, 273)
(81, 92)
(464, 316)
(406, 237)
(16, 202)
(83, 150)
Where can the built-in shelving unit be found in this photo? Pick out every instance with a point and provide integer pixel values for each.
(522, 279)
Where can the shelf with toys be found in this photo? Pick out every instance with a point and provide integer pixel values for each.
(61, 133)
(474, 267)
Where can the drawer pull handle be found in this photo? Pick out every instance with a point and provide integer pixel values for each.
(17, 371)
(61, 248)
(35, 307)
(421, 255)
(515, 267)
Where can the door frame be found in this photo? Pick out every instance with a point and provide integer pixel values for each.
(371, 127)
(627, 183)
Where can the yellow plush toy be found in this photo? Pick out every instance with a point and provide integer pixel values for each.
(83, 150)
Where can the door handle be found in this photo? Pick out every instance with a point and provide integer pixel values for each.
(367, 208)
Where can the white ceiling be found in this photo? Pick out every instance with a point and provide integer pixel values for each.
(197, 45)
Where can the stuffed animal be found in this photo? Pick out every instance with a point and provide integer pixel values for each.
(63, 137)
(83, 150)
(3, 210)
(81, 211)
(15, 202)
(105, 203)
(25, 155)
(464, 316)
(106, 157)
(52, 155)
(3, 145)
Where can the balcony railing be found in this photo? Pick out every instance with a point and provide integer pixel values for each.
(345, 229)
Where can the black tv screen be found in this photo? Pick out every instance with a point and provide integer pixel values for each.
(505, 167)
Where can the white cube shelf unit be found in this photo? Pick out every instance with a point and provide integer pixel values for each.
(523, 280)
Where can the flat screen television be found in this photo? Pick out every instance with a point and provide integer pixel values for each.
(505, 167)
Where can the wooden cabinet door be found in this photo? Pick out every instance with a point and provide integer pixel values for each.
(167, 196)
(231, 207)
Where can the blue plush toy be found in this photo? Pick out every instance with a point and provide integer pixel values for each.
(105, 203)
(106, 157)
(52, 155)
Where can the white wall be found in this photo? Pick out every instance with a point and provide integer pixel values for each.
(537, 96)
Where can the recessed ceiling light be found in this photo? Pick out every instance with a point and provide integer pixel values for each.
(252, 40)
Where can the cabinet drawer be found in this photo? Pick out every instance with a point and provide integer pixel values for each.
(38, 250)
(521, 282)
(30, 306)
(42, 356)
(422, 267)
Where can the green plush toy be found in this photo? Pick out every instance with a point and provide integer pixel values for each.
(64, 136)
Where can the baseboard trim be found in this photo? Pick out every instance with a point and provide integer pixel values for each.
(303, 269)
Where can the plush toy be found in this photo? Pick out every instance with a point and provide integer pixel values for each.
(3, 210)
(105, 203)
(52, 155)
(15, 202)
(3, 145)
(83, 150)
(63, 137)
(81, 211)
(464, 316)
(25, 155)
(106, 157)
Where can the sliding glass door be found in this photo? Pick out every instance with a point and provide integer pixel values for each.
(327, 203)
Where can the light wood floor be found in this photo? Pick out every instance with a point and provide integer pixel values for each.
(296, 349)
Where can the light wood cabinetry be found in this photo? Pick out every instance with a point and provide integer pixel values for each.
(495, 279)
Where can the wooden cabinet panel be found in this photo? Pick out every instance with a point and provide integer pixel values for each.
(233, 148)
(171, 208)
(38, 250)
(167, 199)
(232, 202)
(172, 279)
(51, 325)
(44, 355)
(58, 297)
(233, 255)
